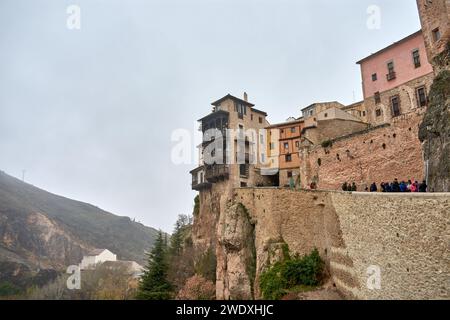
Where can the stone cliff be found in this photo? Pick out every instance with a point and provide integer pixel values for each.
(403, 236)
(435, 133)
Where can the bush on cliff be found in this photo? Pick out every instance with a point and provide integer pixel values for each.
(291, 273)
(197, 288)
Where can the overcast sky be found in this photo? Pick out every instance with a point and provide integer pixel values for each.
(89, 113)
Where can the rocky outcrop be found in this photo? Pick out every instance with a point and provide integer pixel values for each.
(236, 254)
(435, 134)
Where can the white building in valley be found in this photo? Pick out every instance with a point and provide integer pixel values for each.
(95, 257)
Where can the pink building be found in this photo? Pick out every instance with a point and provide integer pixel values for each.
(395, 65)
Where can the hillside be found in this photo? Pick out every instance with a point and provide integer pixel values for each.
(40, 230)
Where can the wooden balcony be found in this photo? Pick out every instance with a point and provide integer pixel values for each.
(216, 172)
(391, 76)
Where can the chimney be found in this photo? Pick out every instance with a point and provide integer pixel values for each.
(245, 97)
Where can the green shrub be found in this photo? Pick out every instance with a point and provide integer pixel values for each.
(291, 273)
(9, 289)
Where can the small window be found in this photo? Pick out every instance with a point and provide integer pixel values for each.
(436, 34)
(260, 120)
(377, 98)
(263, 157)
(288, 158)
(416, 58)
(326, 115)
(289, 174)
(395, 106)
(261, 138)
(282, 130)
(364, 113)
(390, 67)
(378, 112)
(374, 77)
(251, 117)
(286, 145)
(391, 71)
(272, 145)
(422, 100)
(293, 130)
(297, 144)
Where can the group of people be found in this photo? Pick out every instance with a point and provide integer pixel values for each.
(394, 186)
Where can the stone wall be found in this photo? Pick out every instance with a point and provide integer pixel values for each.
(435, 14)
(407, 94)
(378, 154)
(405, 235)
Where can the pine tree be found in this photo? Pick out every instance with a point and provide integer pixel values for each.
(154, 284)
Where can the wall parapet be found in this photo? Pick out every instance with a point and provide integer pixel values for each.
(405, 235)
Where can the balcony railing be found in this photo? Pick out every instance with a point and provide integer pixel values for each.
(391, 76)
(216, 172)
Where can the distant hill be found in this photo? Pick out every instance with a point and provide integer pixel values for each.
(40, 230)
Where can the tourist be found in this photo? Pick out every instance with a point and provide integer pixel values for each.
(395, 186)
(388, 187)
(423, 186)
(403, 187)
(354, 187)
(383, 187)
(415, 187)
(291, 183)
(373, 187)
(408, 186)
(345, 187)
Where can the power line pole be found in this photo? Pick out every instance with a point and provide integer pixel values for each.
(23, 175)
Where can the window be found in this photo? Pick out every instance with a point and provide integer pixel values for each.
(251, 117)
(272, 145)
(395, 106)
(364, 113)
(421, 97)
(282, 130)
(436, 34)
(390, 66)
(286, 145)
(263, 157)
(377, 97)
(241, 110)
(261, 138)
(260, 120)
(391, 71)
(326, 115)
(289, 174)
(297, 144)
(293, 130)
(310, 112)
(288, 158)
(378, 112)
(416, 58)
(374, 77)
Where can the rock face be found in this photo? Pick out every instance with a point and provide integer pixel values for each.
(435, 134)
(236, 253)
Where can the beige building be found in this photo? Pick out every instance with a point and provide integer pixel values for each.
(234, 144)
